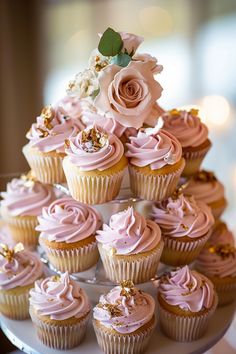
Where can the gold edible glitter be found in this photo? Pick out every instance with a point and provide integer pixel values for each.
(71, 85)
(223, 250)
(174, 112)
(111, 308)
(194, 112)
(205, 176)
(128, 288)
(185, 227)
(55, 278)
(67, 143)
(47, 113)
(93, 140)
(9, 253)
(44, 133)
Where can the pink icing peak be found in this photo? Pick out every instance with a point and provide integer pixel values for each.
(182, 216)
(156, 150)
(59, 297)
(83, 153)
(187, 289)
(186, 126)
(67, 220)
(129, 232)
(124, 310)
(26, 198)
(23, 269)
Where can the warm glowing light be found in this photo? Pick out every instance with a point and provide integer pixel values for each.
(156, 20)
(216, 109)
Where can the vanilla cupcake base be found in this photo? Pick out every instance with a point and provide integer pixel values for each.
(46, 166)
(139, 267)
(62, 335)
(112, 342)
(179, 251)
(194, 157)
(155, 185)
(186, 328)
(94, 187)
(14, 303)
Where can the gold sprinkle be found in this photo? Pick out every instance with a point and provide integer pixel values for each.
(93, 140)
(205, 176)
(67, 143)
(194, 112)
(223, 250)
(111, 308)
(71, 85)
(185, 227)
(55, 278)
(47, 113)
(44, 133)
(127, 288)
(9, 253)
(174, 112)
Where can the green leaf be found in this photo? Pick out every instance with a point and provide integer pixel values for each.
(110, 43)
(121, 59)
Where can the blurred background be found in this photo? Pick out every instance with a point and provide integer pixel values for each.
(44, 43)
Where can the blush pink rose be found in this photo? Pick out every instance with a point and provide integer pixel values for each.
(150, 60)
(128, 94)
(130, 42)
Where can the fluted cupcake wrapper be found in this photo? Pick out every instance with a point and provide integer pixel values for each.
(177, 252)
(72, 260)
(193, 161)
(153, 187)
(46, 167)
(95, 189)
(139, 268)
(117, 343)
(59, 336)
(14, 303)
(22, 229)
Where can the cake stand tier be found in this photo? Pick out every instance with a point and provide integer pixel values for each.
(23, 335)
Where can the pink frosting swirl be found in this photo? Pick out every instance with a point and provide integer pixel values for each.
(187, 289)
(52, 136)
(129, 232)
(217, 260)
(67, 220)
(183, 216)
(26, 198)
(102, 159)
(221, 234)
(186, 127)
(60, 298)
(72, 106)
(124, 314)
(22, 270)
(156, 150)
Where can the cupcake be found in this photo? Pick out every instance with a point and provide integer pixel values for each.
(221, 234)
(187, 300)
(192, 133)
(73, 107)
(205, 187)
(22, 203)
(60, 311)
(130, 247)
(186, 225)
(155, 163)
(19, 270)
(218, 262)
(68, 231)
(124, 320)
(5, 236)
(94, 166)
(45, 150)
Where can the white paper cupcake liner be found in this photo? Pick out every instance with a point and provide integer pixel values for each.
(139, 269)
(177, 252)
(47, 168)
(185, 328)
(193, 160)
(117, 343)
(154, 187)
(92, 189)
(15, 305)
(59, 336)
(72, 260)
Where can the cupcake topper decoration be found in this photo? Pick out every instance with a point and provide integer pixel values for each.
(47, 114)
(29, 179)
(113, 309)
(93, 139)
(9, 253)
(55, 278)
(223, 250)
(205, 176)
(127, 288)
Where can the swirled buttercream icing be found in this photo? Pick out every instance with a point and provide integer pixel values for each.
(73, 107)
(180, 216)
(60, 298)
(94, 149)
(51, 129)
(124, 309)
(66, 220)
(129, 233)
(26, 197)
(205, 187)
(186, 126)
(18, 268)
(217, 260)
(156, 150)
(187, 289)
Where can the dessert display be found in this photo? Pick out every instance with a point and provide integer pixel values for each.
(19, 270)
(124, 320)
(107, 129)
(187, 301)
(60, 310)
(130, 247)
(67, 233)
(186, 225)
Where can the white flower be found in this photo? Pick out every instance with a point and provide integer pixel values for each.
(84, 85)
(97, 61)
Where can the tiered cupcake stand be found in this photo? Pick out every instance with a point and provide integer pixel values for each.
(23, 335)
